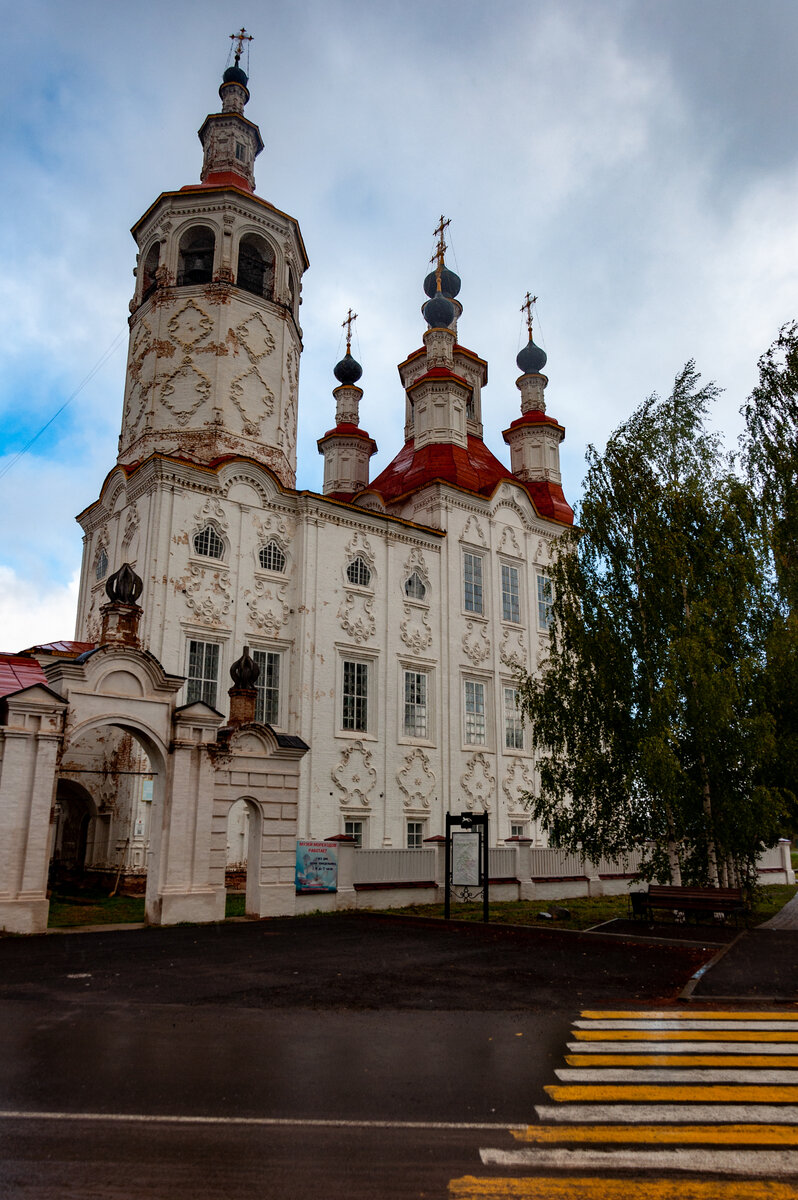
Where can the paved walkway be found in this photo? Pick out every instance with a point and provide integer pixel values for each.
(786, 919)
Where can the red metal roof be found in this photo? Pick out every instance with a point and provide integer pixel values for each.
(474, 470)
(18, 671)
(220, 179)
(61, 649)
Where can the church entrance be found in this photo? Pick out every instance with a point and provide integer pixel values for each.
(244, 832)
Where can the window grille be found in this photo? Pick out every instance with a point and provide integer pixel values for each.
(415, 724)
(271, 557)
(208, 543)
(475, 725)
(513, 720)
(472, 583)
(355, 829)
(203, 672)
(102, 564)
(511, 603)
(354, 714)
(415, 835)
(414, 587)
(267, 686)
(545, 599)
(358, 572)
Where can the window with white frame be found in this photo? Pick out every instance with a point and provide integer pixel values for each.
(475, 718)
(202, 676)
(415, 835)
(513, 721)
(511, 594)
(355, 697)
(414, 587)
(267, 686)
(473, 599)
(416, 719)
(518, 829)
(545, 599)
(101, 565)
(271, 557)
(208, 543)
(355, 829)
(358, 572)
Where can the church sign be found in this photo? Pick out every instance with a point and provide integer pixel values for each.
(316, 867)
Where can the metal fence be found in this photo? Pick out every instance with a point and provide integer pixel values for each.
(394, 866)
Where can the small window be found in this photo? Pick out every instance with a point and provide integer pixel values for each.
(354, 711)
(355, 829)
(256, 266)
(241, 152)
(203, 672)
(472, 583)
(475, 724)
(415, 722)
(511, 604)
(267, 686)
(414, 587)
(358, 573)
(415, 835)
(271, 557)
(513, 721)
(518, 830)
(101, 568)
(545, 599)
(208, 543)
(195, 259)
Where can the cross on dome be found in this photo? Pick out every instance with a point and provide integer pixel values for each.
(241, 37)
(440, 249)
(526, 307)
(348, 322)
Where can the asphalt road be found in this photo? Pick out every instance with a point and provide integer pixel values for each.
(337, 1057)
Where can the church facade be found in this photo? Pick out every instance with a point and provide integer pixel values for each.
(389, 615)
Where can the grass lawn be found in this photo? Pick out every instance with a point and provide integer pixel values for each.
(94, 908)
(585, 911)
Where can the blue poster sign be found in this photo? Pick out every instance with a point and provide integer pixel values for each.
(316, 867)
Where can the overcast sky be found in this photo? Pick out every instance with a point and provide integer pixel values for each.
(633, 162)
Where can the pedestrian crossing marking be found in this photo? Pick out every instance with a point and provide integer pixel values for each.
(660, 1026)
(671, 1047)
(649, 1114)
(684, 1035)
(682, 1060)
(661, 1074)
(571, 1188)
(772, 1164)
(735, 1135)
(689, 1014)
(653, 1092)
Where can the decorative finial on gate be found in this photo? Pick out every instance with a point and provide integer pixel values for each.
(124, 586)
(244, 671)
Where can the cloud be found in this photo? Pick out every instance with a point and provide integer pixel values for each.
(30, 617)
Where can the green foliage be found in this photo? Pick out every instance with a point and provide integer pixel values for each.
(651, 711)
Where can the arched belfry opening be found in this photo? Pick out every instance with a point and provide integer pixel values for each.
(195, 257)
(148, 277)
(256, 266)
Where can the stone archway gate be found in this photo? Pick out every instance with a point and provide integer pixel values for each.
(200, 767)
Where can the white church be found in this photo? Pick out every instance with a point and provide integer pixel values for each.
(389, 616)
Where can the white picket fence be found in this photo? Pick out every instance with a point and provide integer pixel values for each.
(394, 866)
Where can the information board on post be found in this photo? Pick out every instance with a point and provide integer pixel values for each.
(465, 860)
(316, 866)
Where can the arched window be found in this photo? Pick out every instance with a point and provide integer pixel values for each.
(208, 543)
(195, 261)
(101, 568)
(358, 573)
(148, 270)
(271, 557)
(256, 266)
(414, 587)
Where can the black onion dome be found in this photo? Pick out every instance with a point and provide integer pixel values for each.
(438, 312)
(531, 359)
(348, 370)
(450, 283)
(235, 75)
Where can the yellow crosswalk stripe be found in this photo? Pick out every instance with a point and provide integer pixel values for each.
(691, 1014)
(736, 1135)
(682, 1060)
(592, 1188)
(771, 1094)
(684, 1035)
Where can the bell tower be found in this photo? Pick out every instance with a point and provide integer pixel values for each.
(215, 340)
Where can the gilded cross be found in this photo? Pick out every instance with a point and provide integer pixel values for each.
(241, 37)
(526, 307)
(440, 249)
(350, 317)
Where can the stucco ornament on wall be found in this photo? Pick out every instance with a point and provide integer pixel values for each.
(513, 649)
(185, 384)
(356, 617)
(477, 783)
(509, 542)
(476, 643)
(415, 630)
(267, 607)
(254, 400)
(354, 775)
(212, 510)
(255, 336)
(190, 325)
(473, 533)
(208, 593)
(519, 780)
(416, 780)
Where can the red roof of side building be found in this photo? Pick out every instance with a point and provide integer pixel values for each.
(18, 672)
(474, 470)
(61, 649)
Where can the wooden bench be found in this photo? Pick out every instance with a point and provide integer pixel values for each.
(669, 898)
